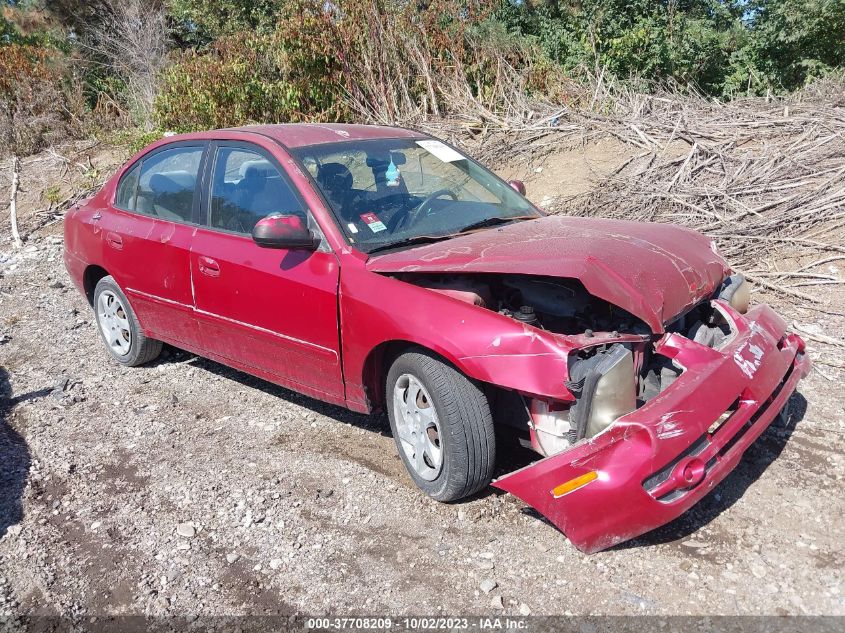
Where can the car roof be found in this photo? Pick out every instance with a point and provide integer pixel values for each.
(302, 134)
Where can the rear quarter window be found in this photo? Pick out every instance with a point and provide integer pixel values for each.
(125, 197)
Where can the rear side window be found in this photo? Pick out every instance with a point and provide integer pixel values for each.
(246, 187)
(125, 198)
(166, 184)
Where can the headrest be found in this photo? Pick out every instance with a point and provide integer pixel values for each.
(259, 164)
(172, 182)
(255, 177)
(335, 177)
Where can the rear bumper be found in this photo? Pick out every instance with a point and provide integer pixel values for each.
(75, 269)
(655, 463)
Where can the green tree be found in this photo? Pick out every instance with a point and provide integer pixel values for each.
(691, 41)
(199, 22)
(793, 41)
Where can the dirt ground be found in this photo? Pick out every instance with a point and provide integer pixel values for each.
(187, 488)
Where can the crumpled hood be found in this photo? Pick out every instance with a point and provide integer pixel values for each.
(654, 271)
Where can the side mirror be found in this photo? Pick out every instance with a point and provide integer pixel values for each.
(518, 185)
(284, 231)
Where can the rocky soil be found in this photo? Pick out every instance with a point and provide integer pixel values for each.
(186, 488)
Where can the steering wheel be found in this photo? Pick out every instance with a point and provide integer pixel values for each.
(409, 218)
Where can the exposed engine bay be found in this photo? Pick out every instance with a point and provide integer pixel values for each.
(607, 380)
(559, 305)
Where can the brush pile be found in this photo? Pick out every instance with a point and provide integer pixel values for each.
(764, 177)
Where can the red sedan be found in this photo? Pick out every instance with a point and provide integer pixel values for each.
(381, 269)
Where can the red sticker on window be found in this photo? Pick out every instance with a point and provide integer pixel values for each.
(373, 222)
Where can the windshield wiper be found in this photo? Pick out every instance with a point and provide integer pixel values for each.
(427, 239)
(408, 241)
(495, 220)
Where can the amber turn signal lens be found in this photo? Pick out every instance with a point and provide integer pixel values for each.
(574, 484)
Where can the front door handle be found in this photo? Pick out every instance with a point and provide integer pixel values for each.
(114, 240)
(209, 267)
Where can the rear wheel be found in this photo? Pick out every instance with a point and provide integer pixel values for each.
(442, 425)
(119, 327)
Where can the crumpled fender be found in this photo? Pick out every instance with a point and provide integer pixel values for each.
(485, 345)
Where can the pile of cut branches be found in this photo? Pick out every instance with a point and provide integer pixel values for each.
(764, 177)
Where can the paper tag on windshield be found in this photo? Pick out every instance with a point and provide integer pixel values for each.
(441, 150)
(372, 221)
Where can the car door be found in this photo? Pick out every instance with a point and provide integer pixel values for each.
(270, 311)
(147, 237)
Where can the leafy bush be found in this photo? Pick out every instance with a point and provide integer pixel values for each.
(33, 108)
(200, 22)
(133, 139)
(794, 41)
(378, 59)
(244, 78)
(240, 61)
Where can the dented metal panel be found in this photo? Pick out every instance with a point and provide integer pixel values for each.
(654, 271)
(617, 505)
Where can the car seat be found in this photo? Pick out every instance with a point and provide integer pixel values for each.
(336, 182)
(170, 196)
(252, 200)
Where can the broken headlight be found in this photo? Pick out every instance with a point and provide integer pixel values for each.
(605, 388)
(736, 290)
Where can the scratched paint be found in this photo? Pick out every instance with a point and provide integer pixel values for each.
(669, 426)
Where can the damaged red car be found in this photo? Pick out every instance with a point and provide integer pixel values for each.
(383, 270)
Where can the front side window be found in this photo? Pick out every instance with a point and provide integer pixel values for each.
(167, 183)
(246, 187)
(391, 192)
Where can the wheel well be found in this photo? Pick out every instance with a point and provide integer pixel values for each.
(503, 402)
(378, 363)
(375, 369)
(90, 278)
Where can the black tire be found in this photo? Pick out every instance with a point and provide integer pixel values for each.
(141, 349)
(467, 439)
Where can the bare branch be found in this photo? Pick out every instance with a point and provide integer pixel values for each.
(133, 40)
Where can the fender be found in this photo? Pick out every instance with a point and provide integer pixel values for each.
(376, 310)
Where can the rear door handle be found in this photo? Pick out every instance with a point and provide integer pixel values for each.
(114, 240)
(208, 266)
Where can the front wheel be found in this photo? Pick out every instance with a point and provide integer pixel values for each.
(119, 327)
(442, 425)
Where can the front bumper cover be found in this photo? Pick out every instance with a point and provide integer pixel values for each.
(658, 461)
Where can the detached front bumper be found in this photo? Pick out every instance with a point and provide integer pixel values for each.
(657, 462)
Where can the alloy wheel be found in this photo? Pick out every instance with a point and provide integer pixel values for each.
(114, 322)
(418, 427)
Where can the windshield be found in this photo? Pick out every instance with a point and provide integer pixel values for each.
(388, 193)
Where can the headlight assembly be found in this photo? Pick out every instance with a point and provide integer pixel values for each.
(604, 385)
(736, 290)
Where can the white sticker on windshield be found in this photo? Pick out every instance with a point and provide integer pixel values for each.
(441, 150)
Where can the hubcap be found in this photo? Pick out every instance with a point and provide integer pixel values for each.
(418, 427)
(114, 323)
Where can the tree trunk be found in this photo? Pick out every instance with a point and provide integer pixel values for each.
(13, 201)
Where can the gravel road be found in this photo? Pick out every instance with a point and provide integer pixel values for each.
(187, 488)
